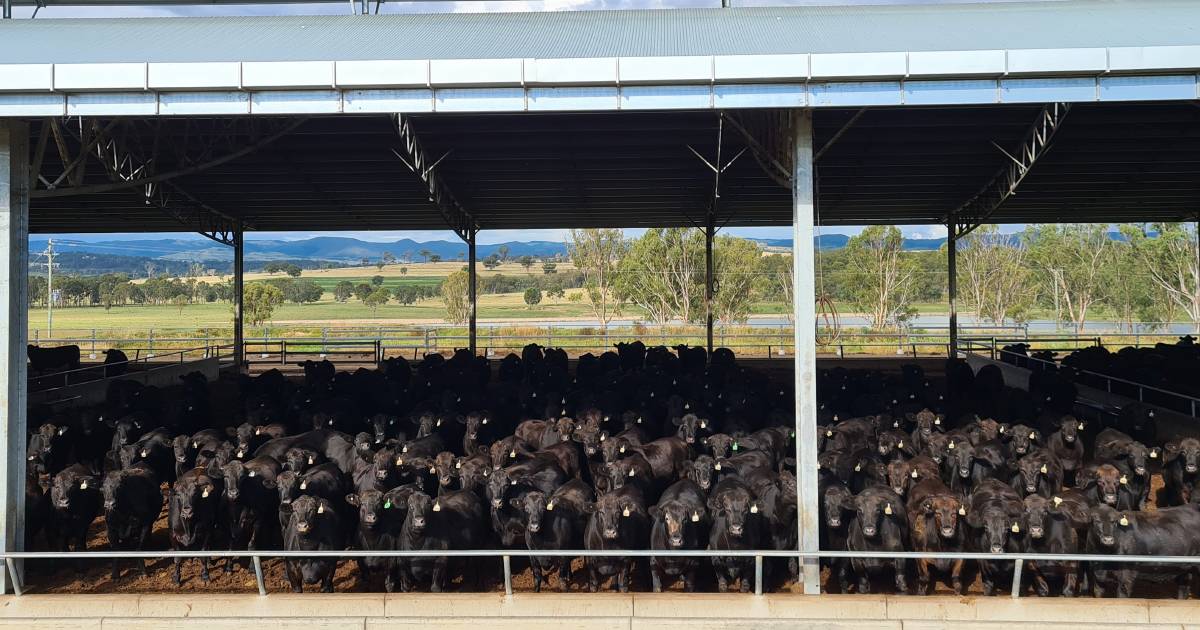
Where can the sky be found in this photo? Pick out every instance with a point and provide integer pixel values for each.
(464, 6)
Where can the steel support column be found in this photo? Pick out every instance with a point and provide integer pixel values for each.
(239, 335)
(804, 305)
(710, 233)
(952, 284)
(472, 328)
(14, 272)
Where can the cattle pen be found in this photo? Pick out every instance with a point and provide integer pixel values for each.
(950, 115)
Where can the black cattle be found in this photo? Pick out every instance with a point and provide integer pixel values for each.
(1039, 473)
(452, 521)
(116, 363)
(251, 502)
(700, 471)
(1181, 471)
(555, 522)
(880, 523)
(904, 474)
(1132, 458)
(735, 526)
(249, 437)
(324, 481)
(1066, 445)
(679, 521)
(299, 459)
(1106, 484)
(1022, 439)
(836, 510)
(1054, 526)
(380, 519)
(57, 358)
(618, 521)
(51, 448)
(995, 513)
(76, 498)
(132, 502)
(156, 449)
(934, 513)
(193, 511)
(312, 525)
(1172, 531)
(970, 464)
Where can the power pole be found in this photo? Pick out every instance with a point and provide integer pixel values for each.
(49, 254)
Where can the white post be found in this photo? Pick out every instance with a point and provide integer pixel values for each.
(14, 275)
(804, 296)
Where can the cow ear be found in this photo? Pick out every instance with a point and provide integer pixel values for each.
(714, 505)
(974, 518)
(927, 506)
(285, 509)
(461, 419)
(588, 508)
(1170, 451)
(515, 503)
(352, 499)
(269, 484)
(231, 431)
(676, 421)
(655, 511)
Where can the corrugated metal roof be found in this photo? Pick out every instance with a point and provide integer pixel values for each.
(1025, 25)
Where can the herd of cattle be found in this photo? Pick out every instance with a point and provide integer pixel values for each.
(641, 448)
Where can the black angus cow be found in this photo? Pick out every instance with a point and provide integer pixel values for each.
(116, 363)
(452, 521)
(380, 519)
(251, 503)
(1054, 525)
(996, 513)
(935, 524)
(1066, 445)
(735, 526)
(75, 497)
(679, 521)
(1038, 473)
(880, 523)
(1181, 472)
(1132, 458)
(1172, 531)
(132, 502)
(618, 521)
(57, 358)
(193, 512)
(312, 525)
(555, 522)
(51, 448)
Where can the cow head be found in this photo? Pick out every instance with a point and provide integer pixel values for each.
(700, 471)
(945, 510)
(1108, 524)
(1023, 439)
(720, 445)
(533, 505)
(612, 512)
(677, 519)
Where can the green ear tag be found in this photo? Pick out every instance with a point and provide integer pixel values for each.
(387, 505)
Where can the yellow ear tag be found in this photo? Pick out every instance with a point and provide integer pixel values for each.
(204, 495)
(437, 507)
(913, 474)
(404, 449)
(145, 453)
(1044, 469)
(1080, 426)
(484, 421)
(695, 517)
(857, 467)
(601, 437)
(1153, 454)
(251, 474)
(321, 509)
(900, 444)
(1124, 521)
(458, 465)
(432, 470)
(631, 472)
(887, 509)
(512, 454)
(962, 511)
(242, 453)
(625, 512)
(399, 461)
(1124, 480)
(195, 444)
(622, 448)
(1057, 501)
(1032, 435)
(311, 460)
(703, 424)
(303, 485)
(717, 466)
(83, 485)
(950, 445)
(1016, 529)
(937, 420)
(829, 434)
(1002, 430)
(550, 506)
(754, 508)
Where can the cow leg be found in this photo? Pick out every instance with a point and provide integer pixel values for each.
(175, 576)
(294, 578)
(327, 582)
(655, 578)
(1183, 583)
(1070, 581)
(204, 569)
(746, 582)
(115, 573)
(364, 574)
(1125, 580)
(956, 577)
(564, 575)
(389, 579)
(438, 582)
(864, 583)
(924, 585)
(536, 567)
(722, 581)
(689, 581)
(901, 579)
(593, 579)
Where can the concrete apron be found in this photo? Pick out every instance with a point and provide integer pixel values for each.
(345, 611)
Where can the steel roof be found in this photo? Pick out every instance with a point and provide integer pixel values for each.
(1108, 163)
(569, 34)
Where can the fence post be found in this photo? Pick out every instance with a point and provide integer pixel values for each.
(1018, 566)
(549, 335)
(758, 575)
(258, 576)
(150, 350)
(507, 576)
(93, 343)
(324, 341)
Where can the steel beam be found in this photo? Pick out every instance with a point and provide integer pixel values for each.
(1037, 141)
(710, 233)
(952, 286)
(804, 305)
(413, 154)
(14, 294)
(239, 340)
(471, 293)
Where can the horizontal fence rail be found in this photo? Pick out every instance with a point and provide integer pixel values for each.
(505, 555)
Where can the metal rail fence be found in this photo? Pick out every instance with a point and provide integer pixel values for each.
(1181, 402)
(505, 556)
(138, 366)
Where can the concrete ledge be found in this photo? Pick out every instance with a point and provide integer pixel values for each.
(606, 611)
